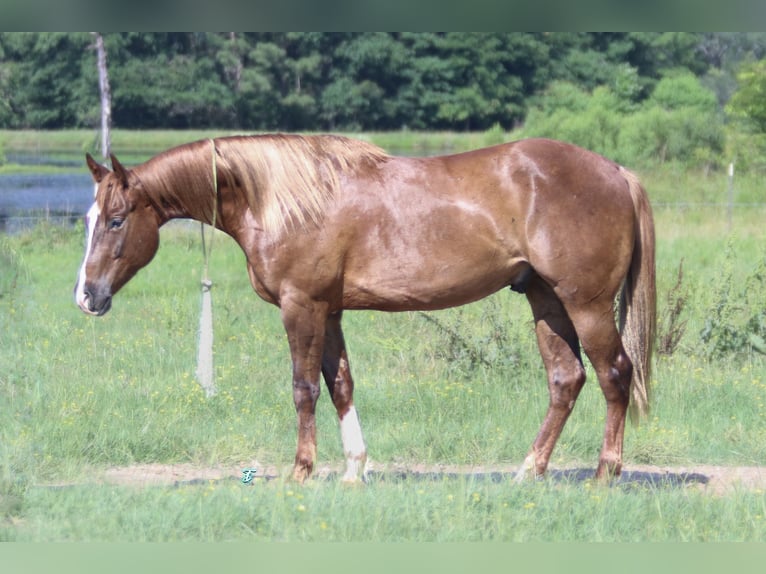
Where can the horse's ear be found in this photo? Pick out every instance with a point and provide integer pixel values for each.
(119, 170)
(99, 171)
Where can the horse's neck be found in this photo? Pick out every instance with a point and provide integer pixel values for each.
(179, 194)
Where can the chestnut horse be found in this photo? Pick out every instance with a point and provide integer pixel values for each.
(329, 223)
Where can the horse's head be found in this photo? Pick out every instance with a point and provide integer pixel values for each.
(122, 230)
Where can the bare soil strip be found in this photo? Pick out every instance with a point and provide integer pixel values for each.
(716, 480)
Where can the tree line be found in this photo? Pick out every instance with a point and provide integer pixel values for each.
(342, 81)
(633, 96)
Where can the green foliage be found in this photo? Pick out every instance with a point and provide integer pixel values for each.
(678, 122)
(748, 103)
(588, 120)
(313, 81)
(79, 395)
(453, 510)
(688, 136)
(747, 151)
(44, 80)
(682, 91)
(671, 324)
(736, 322)
(481, 337)
(13, 269)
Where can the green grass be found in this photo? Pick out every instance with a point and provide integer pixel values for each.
(135, 146)
(79, 394)
(448, 510)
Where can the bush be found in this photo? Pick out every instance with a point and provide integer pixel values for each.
(655, 134)
(591, 121)
(736, 323)
(747, 151)
(683, 92)
(679, 122)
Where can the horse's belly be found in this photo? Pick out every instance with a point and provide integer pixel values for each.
(425, 251)
(400, 287)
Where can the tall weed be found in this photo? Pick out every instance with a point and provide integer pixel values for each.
(468, 341)
(672, 320)
(13, 268)
(736, 323)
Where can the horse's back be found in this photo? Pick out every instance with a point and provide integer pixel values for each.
(435, 232)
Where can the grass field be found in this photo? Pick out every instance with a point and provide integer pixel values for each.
(65, 149)
(78, 395)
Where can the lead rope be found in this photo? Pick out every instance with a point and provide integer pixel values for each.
(205, 375)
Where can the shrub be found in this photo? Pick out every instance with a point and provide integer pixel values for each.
(656, 134)
(680, 122)
(588, 120)
(736, 322)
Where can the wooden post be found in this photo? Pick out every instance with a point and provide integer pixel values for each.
(106, 96)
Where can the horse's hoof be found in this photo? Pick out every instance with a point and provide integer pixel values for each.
(606, 471)
(300, 474)
(528, 471)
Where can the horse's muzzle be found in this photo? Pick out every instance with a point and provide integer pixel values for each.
(92, 302)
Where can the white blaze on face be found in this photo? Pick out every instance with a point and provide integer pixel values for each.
(353, 445)
(90, 220)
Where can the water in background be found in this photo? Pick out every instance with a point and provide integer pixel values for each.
(27, 199)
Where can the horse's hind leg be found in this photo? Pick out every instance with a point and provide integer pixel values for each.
(337, 375)
(602, 344)
(560, 350)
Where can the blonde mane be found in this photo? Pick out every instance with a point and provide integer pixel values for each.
(180, 180)
(287, 179)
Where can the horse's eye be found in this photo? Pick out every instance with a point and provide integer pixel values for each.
(116, 223)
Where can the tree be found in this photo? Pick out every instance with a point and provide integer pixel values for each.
(6, 92)
(591, 120)
(680, 121)
(48, 80)
(748, 104)
(323, 80)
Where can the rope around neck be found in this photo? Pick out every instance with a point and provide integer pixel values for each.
(205, 249)
(205, 371)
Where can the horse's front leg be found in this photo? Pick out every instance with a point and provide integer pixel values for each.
(304, 321)
(337, 375)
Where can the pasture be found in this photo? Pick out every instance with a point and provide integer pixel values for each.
(80, 396)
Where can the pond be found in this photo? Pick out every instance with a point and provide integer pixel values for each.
(62, 198)
(27, 199)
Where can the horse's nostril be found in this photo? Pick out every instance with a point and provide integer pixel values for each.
(88, 299)
(98, 304)
(104, 305)
(92, 302)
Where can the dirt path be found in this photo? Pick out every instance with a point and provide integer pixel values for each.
(709, 478)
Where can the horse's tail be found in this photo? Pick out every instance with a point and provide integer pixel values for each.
(638, 299)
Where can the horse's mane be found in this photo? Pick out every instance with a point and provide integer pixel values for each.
(287, 179)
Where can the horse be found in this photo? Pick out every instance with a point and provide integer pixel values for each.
(329, 223)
